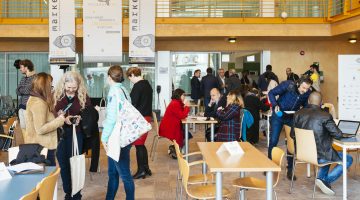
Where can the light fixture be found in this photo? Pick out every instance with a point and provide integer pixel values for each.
(352, 40)
(232, 40)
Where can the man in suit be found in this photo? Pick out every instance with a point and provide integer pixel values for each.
(221, 80)
(196, 86)
(217, 101)
(233, 82)
(208, 82)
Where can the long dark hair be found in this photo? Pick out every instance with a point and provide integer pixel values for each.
(177, 94)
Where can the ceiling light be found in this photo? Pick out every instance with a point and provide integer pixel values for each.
(352, 40)
(232, 40)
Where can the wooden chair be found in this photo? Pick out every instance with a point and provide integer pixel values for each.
(10, 123)
(260, 184)
(193, 179)
(306, 152)
(33, 195)
(197, 191)
(47, 185)
(157, 137)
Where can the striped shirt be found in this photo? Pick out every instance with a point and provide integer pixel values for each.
(23, 90)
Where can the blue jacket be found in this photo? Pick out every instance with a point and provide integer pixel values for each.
(247, 122)
(289, 97)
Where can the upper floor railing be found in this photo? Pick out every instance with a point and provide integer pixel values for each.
(202, 8)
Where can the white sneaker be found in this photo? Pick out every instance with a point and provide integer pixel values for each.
(325, 188)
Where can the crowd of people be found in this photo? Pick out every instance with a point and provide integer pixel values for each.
(235, 102)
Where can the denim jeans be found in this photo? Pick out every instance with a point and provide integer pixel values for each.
(276, 125)
(336, 172)
(63, 154)
(51, 157)
(122, 169)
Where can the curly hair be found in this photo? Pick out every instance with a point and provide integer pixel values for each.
(70, 77)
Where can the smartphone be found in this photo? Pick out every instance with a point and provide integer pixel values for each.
(67, 107)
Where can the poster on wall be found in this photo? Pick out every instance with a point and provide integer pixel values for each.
(62, 32)
(142, 31)
(102, 30)
(349, 87)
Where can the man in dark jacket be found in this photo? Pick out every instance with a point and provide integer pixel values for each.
(196, 86)
(262, 83)
(291, 96)
(312, 117)
(290, 75)
(208, 82)
(233, 82)
(217, 101)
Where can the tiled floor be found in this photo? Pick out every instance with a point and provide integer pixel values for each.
(161, 185)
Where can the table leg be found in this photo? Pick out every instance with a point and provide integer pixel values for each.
(204, 168)
(308, 170)
(344, 174)
(187, 140)
(242, 194)
(269, 185)
(212, 132)
(218, 186)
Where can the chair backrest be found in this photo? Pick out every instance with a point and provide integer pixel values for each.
(277, 155)
(290, 141)
(10, 123)
(178, 153)
(33, 195)
(184, 173)
(156, 123)
(47, 185)
(306, 146)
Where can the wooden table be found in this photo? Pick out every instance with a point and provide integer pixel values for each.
(21, 184)
(193, 120)
(251, 161)
(347, 143)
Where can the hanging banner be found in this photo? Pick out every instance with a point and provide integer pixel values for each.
(62, 32)
(102, 30)
(142, 31)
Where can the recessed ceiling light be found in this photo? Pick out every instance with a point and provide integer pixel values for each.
(352, 40)
(232, 40)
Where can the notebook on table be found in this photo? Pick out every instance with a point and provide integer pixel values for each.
(348, 128)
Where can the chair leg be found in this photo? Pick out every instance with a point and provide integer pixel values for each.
(356, 161)
(292, 176)
(153, 147)
(316, 172)
(275, 194)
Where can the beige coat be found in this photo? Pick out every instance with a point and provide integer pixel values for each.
(41, 124)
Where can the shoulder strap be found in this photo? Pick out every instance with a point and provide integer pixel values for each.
(124, 93)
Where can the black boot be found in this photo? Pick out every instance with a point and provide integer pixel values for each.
(140, 162)
(146, 162)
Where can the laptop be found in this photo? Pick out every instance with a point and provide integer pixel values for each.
(348, 128)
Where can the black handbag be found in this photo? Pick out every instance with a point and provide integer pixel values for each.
(89, 121)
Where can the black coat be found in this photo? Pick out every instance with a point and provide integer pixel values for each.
(211, 111)
(233, 83)
(141, 97)
(195, 88)
(254, 105)
(209, 82)
(313, 118)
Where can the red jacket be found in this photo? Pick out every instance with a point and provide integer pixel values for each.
(170, 126)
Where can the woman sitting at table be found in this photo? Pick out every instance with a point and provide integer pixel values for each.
(170, 126)
(229, 129)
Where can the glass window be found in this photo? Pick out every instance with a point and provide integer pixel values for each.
(186, 63)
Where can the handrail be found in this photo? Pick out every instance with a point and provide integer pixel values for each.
(34, 9)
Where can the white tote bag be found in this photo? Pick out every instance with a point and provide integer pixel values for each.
(102, 112)
(127, 129)
(77, 166)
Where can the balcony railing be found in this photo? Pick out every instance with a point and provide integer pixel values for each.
(202, 8)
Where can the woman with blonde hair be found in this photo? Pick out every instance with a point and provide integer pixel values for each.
(70, 93)
(41, 123)
(229, 129)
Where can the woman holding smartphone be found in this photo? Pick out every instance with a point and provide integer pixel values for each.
(70, 94)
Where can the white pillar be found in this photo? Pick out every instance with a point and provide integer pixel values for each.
(163, 78)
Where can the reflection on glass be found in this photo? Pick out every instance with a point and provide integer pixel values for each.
(186, 63)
